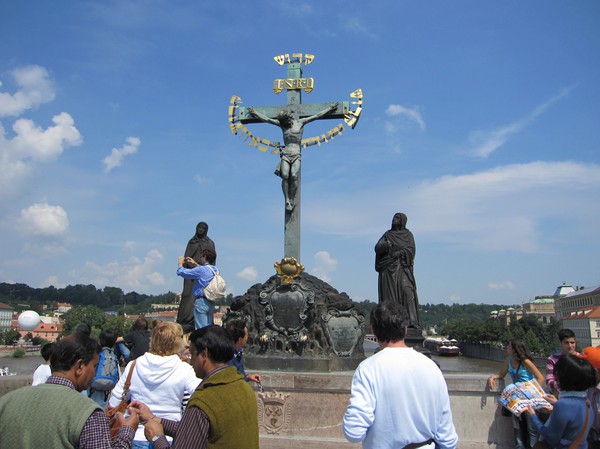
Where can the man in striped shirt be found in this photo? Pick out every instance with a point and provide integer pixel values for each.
(568, 344)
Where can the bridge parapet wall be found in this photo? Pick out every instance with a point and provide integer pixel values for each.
(309, 409)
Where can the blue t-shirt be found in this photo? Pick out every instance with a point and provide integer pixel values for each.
(522, 375)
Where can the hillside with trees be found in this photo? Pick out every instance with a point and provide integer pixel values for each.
(464, 322)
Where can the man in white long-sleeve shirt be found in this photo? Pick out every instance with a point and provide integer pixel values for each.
(399, 397)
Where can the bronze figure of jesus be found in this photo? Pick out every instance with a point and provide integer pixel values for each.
(288, 167)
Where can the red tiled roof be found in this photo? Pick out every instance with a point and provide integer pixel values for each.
(585, 312)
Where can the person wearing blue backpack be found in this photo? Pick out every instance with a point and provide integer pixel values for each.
(107, 372)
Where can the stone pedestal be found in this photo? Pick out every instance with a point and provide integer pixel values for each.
(414, 338)
(303, 324)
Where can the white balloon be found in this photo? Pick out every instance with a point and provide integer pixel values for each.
(28, 320)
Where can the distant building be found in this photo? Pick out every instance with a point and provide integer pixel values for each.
(568, 301)
(63, 307)
(507, 316)
(49, 328)
(164, 306)
(164, 316)
(542, 307)
(585, 323)
(6, 313)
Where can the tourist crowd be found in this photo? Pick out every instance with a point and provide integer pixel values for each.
(181, 393)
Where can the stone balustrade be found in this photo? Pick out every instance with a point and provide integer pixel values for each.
(304, 410)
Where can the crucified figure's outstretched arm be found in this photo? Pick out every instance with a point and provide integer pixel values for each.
(263, 117)
(332, 107)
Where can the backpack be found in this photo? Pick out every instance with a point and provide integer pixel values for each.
(107, 373)
(216, 287)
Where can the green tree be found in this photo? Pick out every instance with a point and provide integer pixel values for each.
(37, 340)
(91, 315)
(120, 324)
(532, 342)
(113, 296)
(9, 337)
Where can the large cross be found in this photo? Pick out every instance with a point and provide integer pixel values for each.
(292, 125)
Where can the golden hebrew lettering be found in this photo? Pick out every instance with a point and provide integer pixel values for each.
(308, 59)
(263, 149)
(280, 59)
(350, 121)
(357, 93)
(235, 99)
(298, 56)
(310, 141)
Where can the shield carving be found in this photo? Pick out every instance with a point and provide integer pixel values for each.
(273, 411)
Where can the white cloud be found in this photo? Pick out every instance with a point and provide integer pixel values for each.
(44, 220)
(31, 144)
(507, 208)
(51, 280)
(248, 274)
(35, 88)
(129, 245)
(294, 9)
(133, 274)
(357, 26)
(411, 114)
(506, 285)
(45, 145)
(324, 265)
(202, 180)
(454, 299)
(115, 158)
(486, 142)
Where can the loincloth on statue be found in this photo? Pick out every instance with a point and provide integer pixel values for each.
(289, 158)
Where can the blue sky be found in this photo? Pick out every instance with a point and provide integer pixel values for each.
(480, 122)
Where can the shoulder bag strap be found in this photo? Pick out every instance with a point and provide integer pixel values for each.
(516, 376)
(128, 381)
(577, 441)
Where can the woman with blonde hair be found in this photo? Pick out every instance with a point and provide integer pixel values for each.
(160, 378)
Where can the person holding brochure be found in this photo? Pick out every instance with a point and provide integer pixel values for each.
(571, 419)
(519, 364)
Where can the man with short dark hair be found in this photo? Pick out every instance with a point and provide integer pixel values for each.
(399, 397)
(568, 344)
(239, 332)
(222, 413)
(55, 414)
(202, 273)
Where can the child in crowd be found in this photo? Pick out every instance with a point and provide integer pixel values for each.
(571, 416)
(43, 371)
(107, 371)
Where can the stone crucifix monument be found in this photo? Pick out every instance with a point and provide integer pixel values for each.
(296, 321)
(291, 118)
